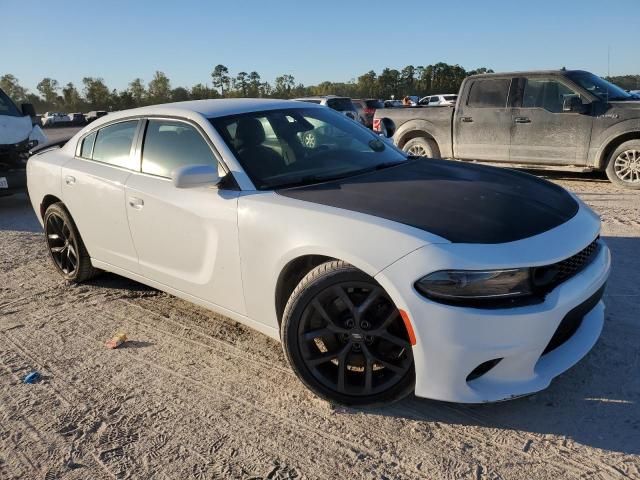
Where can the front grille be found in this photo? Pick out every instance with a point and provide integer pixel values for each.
(549, 276)
(572, 321)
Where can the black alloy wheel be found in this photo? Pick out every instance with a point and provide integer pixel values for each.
(346, 339)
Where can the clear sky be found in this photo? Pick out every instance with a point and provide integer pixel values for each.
(120, 40)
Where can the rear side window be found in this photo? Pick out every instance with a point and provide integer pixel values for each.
(86, 149)
(169, 145)
(489, 93)
(450, 98)
(340, 104)
(113, 144)
(374, 104)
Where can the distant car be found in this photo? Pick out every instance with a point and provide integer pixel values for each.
(366, 109)
(635, 92)
(343, 105)
(448, 99)
(94, 115)
(54, 118)
(77, 118)
(392, 103)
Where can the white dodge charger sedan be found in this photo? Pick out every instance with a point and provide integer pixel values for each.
(381, 274)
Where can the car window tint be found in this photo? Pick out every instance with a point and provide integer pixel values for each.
(7, 107)
(113, 144)
(87, 145)
(169, 145)
(545, 93)
(489, 93)
(340, 104)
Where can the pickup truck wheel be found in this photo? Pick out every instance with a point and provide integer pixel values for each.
(66, 248)
(345, 339)
(422, 147)
(623, 167)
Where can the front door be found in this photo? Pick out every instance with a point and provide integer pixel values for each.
(482, 123)
(186, 238)
(542, 132)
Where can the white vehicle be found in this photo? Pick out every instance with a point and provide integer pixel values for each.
(381, 274)
(18, 135)
(52, 118)
(447, 99)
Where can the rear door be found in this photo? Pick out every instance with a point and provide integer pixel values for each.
(542, 132)
(482, 122)
(93, 191)
(186, 238)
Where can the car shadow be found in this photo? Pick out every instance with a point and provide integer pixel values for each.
(596, 403)
(16, 214)
(111, 281)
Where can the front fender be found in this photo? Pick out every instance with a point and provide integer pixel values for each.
(627, 128)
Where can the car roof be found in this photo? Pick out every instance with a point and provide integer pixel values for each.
(526, 72)
(320, 97)
(206, 108)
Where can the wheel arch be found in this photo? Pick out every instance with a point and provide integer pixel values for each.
(47, 201)
(611, 145)
(290, 276)
(411, 134)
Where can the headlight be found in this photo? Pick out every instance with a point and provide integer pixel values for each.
(461, 285)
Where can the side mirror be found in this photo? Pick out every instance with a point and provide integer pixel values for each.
(28, 110)
(573, 104)
(195, 176)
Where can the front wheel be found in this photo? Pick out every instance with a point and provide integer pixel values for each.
(422, 147)
(345, 339)
(623, 167)
(66, 249)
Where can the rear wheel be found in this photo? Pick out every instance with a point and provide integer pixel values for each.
(345, 339)
(66, 249)
(422, 147)
(623, 167)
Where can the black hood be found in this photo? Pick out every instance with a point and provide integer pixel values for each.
(463, 203)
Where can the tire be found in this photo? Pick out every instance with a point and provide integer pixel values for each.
(623, 166)
(65, 246)
(422, 147)
(337, 327)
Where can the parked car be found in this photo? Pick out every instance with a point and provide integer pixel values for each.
(77, 118)
(18, 135)
(339, 104)
(392, 103)
(439, 100)
(565, 118)
(50, 119)
(381, 275)
(94, 115)
(366, 108)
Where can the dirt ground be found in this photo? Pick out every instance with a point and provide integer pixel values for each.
(195, 395)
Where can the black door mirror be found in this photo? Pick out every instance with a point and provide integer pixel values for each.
(574, 104)
(28, 110)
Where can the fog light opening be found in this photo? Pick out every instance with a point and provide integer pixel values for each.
(483, 368)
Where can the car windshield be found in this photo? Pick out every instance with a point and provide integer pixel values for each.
(298, 146)
(599, 87)
(7, 107)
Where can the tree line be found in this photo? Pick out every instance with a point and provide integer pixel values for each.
(94, 94)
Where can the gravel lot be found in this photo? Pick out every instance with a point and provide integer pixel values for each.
(195, 395)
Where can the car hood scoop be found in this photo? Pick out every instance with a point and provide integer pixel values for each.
(463, 203)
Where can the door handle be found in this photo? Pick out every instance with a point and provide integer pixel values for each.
(523, 120)
(466, 119)
(136, 203)
(69, 179)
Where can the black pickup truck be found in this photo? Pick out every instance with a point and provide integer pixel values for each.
(560, 118)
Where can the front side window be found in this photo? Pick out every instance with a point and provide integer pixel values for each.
(544, 93)
(113, 144)
(489, 93)
(169, 145)
(308, 145)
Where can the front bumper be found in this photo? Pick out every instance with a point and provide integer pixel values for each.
(16, 180)
(451, 342)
